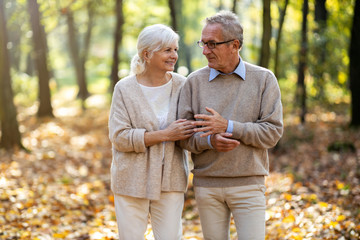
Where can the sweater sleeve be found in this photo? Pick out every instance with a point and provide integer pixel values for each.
(268, 129)
(195, 143)
(121, 134)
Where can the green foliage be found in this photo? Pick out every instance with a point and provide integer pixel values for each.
(141, 13)
(25, 89)
(339, 146)
(287, 86)
(335, 41)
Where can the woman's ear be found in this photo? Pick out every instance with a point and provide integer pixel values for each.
(146, 55)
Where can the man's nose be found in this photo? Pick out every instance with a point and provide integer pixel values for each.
(206, 49)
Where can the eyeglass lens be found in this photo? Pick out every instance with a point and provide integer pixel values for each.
(210, 45)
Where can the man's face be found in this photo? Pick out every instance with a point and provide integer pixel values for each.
(222, 56)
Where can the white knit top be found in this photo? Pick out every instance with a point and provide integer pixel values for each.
(159, 99)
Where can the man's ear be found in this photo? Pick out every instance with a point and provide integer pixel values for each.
(236, 45)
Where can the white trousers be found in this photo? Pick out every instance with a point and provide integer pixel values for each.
(165, 214)
(245, 203)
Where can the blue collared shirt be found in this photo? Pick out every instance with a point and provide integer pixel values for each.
(240, 71)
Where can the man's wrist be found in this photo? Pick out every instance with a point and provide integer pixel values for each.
(209, 141)
(230, 126)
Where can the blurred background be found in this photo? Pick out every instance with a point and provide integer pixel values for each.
(88, 45)
(59, 61)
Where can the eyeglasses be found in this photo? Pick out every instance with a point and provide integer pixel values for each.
(211, 45)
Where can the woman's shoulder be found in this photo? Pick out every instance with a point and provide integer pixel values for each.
(178, 77)
(126, 81)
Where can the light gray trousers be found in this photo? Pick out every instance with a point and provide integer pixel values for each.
(165, 214)
(245, 203)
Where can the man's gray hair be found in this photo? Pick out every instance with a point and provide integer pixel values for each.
(152, 39)
(231, 27)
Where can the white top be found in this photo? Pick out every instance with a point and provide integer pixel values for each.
(159, 99)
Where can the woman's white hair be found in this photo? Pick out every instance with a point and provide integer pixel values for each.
(152, 39)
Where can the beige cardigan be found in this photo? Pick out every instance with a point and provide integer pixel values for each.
(137, 170)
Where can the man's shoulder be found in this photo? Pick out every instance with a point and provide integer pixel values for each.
(255, 68)
(202, 72)
(258, 72)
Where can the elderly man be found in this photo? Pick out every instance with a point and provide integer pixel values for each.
(238, 110)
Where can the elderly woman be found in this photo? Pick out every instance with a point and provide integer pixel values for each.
(149, 171)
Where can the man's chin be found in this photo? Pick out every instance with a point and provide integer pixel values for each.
(211, 65)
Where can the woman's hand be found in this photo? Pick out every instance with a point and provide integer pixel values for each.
(179, 130)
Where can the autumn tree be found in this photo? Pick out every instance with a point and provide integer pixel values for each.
(118, 35)
(320, 40)
(178, 23)
(14, 36)
(10, 134)
(221, 5)
(301, 87)
(278, 37)
(174, 22)
(40, 59)
(265, 43)
(234, 6)
(186, 20)
(172, 6)
(355, 66)
(79, 53)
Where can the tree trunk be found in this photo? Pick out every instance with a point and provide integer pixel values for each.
(29, 70)
(174, 23)
(301, 87)
(10, 134)
(14, 36)
(278, 38)
(172, 7)
(75, 56)
(221, 5)
(320, 47)
(118, 35)
(40, 59)
(355, 66)
(15, 52)
(234, 6)
(265, 43)
(87, 39)
(320, 11)
(179, 27)
(187, 52)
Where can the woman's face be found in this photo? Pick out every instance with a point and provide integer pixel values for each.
(164, 59)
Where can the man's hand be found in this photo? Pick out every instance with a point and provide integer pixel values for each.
(223, 143)
(211, 124)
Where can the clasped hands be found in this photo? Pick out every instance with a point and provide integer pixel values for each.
(215, 125)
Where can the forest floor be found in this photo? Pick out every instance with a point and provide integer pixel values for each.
(60, 189)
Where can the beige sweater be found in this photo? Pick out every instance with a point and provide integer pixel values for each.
(254, 105)
(137, 170)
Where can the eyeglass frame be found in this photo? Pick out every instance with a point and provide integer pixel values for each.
(215, 43)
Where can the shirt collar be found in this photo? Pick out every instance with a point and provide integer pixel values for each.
(239, 70)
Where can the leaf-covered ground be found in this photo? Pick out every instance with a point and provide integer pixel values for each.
(61, 188)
